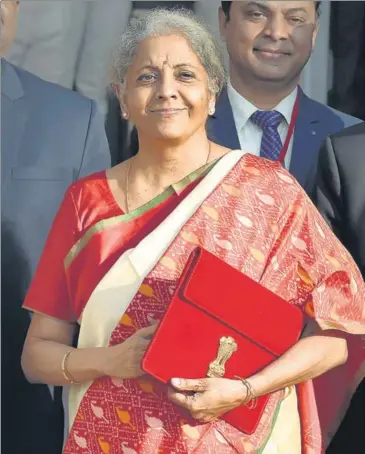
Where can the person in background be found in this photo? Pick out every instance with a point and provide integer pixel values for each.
(348, 53)
(339, 195)
(121, 239)
(50, 137)
(264, 109)
(70, 43)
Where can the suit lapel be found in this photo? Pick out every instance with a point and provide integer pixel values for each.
(221, 126)
(14, 116)
(306, 140)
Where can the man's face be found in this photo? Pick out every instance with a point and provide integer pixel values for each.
(8, 15)
(268, 40)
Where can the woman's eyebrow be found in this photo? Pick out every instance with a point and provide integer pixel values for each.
(178, 65)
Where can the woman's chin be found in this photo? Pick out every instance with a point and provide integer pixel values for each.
(171, 133)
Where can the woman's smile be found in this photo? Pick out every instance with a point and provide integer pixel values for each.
(167, 112)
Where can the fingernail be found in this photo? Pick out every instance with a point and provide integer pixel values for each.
(176, 382)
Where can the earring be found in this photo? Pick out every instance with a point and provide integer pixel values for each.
(211, 110)
(125, 115)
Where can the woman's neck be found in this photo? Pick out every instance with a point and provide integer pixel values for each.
(163, 163)
(264, 96)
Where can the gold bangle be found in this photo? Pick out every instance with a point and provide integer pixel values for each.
(64, 370)
(250, 401)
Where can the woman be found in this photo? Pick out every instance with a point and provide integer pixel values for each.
(122, 238)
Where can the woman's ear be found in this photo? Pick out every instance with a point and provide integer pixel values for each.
(212, 101)
(120, 94)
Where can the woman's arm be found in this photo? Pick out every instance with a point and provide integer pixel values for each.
(47, 342)
(49, 339)
(307, 359)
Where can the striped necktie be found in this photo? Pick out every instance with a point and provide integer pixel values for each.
(268, 121)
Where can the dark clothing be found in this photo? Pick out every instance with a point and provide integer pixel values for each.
(340, 197)
(314, 123)
(50, 137)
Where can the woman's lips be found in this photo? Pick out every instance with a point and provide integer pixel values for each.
(167, 112)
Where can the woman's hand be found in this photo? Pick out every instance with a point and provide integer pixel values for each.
(124, 360)
(211, 398)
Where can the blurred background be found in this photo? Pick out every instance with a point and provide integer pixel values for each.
(71, 42)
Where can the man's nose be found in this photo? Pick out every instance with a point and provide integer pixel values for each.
(277, 28)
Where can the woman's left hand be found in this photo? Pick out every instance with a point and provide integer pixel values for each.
(207, 398)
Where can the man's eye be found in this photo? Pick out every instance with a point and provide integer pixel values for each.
(256, 14)
(297, 20)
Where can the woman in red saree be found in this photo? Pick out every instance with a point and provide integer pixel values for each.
(121, 239)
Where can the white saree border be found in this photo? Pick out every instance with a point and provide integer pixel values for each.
(112, 296)
(285, 437)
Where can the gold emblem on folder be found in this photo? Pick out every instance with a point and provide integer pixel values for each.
(227, 346)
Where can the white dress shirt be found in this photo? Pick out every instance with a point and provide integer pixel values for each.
(250, 134)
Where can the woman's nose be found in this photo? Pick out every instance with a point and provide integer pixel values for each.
(167, 88)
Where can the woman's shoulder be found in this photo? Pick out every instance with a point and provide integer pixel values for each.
(92, 199)
(92, 185)
(270, 182)
(271, 173)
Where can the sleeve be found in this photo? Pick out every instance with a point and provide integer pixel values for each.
(325, 278)
(96, 155)
(327, 195)
(48, 293)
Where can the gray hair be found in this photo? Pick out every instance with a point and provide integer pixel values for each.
(164, 22)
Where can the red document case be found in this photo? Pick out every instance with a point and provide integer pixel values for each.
(219, 315)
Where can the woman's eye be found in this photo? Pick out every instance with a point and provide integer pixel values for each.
(147, 77)
(186, 75)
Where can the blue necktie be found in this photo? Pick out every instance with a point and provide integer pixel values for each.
(268, 121)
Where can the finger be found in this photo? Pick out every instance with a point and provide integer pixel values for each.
(143, 342)
(183, 384)
(148, 331)
(203, 417)
(180, 399)
(139, 372)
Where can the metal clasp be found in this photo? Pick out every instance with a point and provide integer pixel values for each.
(227, 346)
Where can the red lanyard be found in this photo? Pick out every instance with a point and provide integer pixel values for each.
(293, 120)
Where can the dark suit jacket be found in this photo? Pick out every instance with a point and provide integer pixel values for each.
(315, 122)
(339, 195)
(50, 136)
(340, 188)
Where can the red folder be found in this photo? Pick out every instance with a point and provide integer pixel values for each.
(221, 323)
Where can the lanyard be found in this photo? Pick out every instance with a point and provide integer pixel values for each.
(293, 120)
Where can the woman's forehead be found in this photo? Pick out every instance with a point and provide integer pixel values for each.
(165, 51)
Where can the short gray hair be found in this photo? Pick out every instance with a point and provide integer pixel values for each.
(164, 22)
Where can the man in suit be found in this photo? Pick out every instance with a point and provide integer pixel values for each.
(50, 137)
(339, 195)
(269, 43)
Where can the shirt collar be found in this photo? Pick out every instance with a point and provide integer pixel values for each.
(243, 109)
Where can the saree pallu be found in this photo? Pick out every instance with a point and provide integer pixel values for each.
(252, 214)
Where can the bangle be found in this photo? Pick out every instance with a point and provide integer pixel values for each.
(251, 400)
(64, 370)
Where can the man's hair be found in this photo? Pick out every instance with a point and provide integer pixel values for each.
(226, 6)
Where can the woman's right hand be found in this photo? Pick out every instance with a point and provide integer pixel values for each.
(124, 360)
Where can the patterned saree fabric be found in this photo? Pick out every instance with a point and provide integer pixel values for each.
(257, 219)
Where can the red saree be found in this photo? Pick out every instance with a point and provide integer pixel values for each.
(257, 219)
